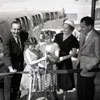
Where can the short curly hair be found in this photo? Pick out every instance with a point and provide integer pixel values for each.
(47, 34)
(31, 41)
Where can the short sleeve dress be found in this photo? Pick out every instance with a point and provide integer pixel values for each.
(66, 82)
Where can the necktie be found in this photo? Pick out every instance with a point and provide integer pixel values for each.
(18, 41)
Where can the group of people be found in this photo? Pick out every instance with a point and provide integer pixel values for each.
(50, 54)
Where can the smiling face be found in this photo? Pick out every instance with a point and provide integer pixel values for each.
(47, 39)
(84, 28)
(15, 29)
(86, 25)
(47, 36)
(66, 29)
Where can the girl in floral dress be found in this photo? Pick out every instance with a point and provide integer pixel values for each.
(51, 51)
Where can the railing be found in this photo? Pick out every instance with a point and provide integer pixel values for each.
(53, 71)
(48, 71)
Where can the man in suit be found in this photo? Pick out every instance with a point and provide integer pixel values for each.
(3, 69)
(88, 59)
(13, 47)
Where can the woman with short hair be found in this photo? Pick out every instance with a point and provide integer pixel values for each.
(67, 42)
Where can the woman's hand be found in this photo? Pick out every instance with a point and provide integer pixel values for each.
(61, 59)
(43, 58)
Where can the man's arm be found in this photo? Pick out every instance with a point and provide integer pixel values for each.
(6, 50)
(7, 53)
(96, 59)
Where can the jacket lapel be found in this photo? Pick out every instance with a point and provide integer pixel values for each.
(82, 40)
(14, 41)
(89, 39)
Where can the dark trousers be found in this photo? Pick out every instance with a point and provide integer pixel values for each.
(11, 86)
(5, 83)
(85, 87)
(15, 83)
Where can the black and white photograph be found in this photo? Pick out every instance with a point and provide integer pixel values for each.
(49, 49)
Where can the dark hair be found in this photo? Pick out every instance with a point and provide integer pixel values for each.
(15, 22)
(88, 21)
(31, 41)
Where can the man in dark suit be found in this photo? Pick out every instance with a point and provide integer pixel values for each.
(13, 47)
(3, 81)
(88, 59)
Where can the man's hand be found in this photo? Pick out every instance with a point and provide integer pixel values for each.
(11, 69)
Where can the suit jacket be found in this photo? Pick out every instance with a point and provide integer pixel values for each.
(13, 54)
(3, 79)
(89, 55)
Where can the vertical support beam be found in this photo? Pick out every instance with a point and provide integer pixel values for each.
(93, 9)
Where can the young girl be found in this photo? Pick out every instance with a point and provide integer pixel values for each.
(32, 57)
(51, 51)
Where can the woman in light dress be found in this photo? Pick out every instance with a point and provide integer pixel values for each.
(51, 51)
(32, 57)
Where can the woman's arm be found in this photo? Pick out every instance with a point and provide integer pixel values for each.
(55, 56)
(38, 60)
(73, 53)
(30, 61)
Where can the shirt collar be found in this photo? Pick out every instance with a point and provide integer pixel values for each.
(89, 33)
(15, 37)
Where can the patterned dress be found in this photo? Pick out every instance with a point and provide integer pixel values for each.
(49, 81)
